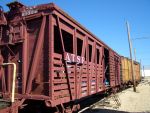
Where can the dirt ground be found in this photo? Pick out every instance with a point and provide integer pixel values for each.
(127, 100)
(138, 101)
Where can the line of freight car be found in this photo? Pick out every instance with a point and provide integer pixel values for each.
(48, 59)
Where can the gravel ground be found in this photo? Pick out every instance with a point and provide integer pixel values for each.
(138, 101)
(129, 101)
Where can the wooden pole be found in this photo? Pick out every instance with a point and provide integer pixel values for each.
(130, 48)
(143, 71)
(135, 54)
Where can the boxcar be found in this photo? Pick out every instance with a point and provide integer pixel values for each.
(46, 56)
(126, 71)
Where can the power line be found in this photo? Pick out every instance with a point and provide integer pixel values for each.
(141, 38)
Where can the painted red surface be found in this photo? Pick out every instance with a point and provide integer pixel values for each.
(57, 59)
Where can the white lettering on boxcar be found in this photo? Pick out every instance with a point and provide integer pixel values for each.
(74, 58)
(29, 11)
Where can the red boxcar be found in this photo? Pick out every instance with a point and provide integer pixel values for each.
(54, 59)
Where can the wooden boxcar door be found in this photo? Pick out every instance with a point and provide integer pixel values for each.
(112, 68)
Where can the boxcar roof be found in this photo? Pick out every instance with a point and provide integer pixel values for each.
(53, 6)
(78, 24)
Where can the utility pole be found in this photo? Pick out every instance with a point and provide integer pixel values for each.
(130, 48)
(143, 71)
(135, 54)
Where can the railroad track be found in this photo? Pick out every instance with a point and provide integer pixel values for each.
(102, 103)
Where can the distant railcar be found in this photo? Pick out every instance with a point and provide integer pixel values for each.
(126, 71)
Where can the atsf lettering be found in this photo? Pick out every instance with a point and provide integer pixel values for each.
(72, 58)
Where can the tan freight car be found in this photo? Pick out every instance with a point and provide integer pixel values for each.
(126, 71)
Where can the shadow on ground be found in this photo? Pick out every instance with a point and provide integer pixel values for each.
(108, 111)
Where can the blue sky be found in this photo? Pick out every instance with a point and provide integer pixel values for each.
(106, 19)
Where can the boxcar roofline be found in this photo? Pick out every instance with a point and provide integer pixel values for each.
(54, 7)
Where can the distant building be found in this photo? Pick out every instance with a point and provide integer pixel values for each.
(146, 71)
